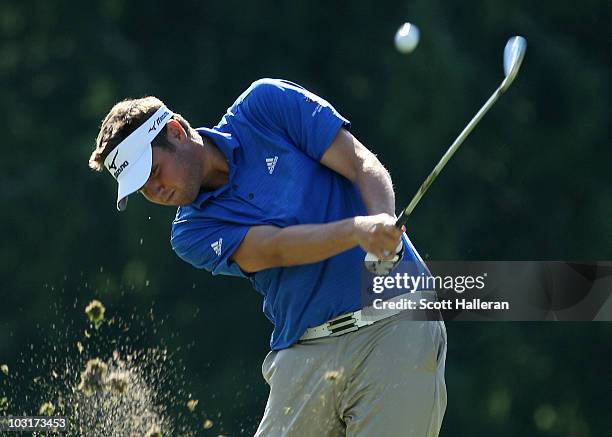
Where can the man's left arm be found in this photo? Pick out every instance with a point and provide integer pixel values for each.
(348, 157)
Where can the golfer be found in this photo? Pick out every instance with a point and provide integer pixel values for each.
(281, 193)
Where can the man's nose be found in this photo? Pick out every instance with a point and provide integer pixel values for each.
(152, 189)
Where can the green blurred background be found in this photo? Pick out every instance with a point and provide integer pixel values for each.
(531, 183)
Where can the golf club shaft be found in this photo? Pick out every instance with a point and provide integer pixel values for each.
(403, 218)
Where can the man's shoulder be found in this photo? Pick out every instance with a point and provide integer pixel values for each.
(268, 84)
(196, 215)
(182, 217)
(265, 88)
(187, 218)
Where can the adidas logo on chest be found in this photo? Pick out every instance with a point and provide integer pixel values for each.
(271, 163)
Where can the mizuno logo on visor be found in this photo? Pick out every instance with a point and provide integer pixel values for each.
(112, 165)
(122, 167)
(158, 121)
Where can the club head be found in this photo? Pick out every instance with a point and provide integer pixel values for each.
(514, 52)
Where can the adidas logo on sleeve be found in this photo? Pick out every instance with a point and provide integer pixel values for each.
(216, 246)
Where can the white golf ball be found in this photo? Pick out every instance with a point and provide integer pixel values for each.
(407, 38)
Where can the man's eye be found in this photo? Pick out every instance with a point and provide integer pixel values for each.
(155, 169)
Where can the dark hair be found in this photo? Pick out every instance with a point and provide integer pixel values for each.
(123, 119)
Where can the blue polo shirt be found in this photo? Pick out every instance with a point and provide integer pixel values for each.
(273, 138)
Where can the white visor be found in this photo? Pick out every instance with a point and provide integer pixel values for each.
(130, 162)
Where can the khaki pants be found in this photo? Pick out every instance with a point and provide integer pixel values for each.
(383, 380)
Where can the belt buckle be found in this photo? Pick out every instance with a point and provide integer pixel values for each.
(342, 325)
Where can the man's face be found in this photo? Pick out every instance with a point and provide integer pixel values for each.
(175, 177)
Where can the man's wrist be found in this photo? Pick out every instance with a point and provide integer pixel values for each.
(381, 210)
(354, 229)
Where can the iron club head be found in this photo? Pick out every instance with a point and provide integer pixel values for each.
(513, 56)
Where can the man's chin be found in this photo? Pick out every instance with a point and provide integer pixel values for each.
(177, 200)
(184, 200)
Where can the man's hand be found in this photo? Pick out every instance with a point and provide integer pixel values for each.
(380, 235)
(377, 235)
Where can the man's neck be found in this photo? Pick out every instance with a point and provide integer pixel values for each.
(217, 165)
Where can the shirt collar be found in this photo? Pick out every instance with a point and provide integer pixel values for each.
(227, 144)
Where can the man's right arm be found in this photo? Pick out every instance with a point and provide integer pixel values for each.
(266, 247)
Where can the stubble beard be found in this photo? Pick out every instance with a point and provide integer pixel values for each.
(193, 183)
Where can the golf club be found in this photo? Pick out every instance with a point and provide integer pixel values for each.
(513, 56)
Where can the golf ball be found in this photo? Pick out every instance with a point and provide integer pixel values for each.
(407, 38)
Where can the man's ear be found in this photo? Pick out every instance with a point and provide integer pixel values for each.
(175, 132)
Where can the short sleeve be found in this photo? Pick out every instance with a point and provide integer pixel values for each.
(308, 120)
(208, 244)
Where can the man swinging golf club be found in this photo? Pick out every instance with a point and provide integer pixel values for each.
(280, 192)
